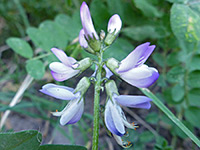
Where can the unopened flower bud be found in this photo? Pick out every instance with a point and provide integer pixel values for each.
(111, 88)
(83, 64)
(83, 85)
(114, 26)
(112, 64)
(102, 35)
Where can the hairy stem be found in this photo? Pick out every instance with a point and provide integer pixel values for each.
(97, 89)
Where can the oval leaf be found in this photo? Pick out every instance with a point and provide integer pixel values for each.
(35, 68)
(29, 140)
(185, 23)
(20, 46)
(61, 147)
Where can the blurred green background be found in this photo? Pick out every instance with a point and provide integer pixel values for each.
(29, 29)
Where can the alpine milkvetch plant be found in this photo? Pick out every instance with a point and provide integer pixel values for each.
(131, 69)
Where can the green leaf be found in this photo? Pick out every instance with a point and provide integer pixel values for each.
(24, 140)
(100, 14)
(176, 75)
(185, 23)
(193, 97)
(193, 79)
(177, 1)
(61, 147)
(152, 118)
(116, 7)
(147, 8)
(146, 136)
(192, 115)
(71, 26)
(119, 49)
(178, 93)
(172, 59)
(35, 68)
(20, 46)
(194, 63)
(158, 58)
(141, 33)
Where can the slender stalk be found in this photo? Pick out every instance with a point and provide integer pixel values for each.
(171, 116)
(97, 89)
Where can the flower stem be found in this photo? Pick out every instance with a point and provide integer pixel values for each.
(171, 116)
(97, 89)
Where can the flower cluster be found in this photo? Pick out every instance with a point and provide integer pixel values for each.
(131, 69)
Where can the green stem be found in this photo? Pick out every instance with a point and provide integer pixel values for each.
(171, 116)
(97, 89)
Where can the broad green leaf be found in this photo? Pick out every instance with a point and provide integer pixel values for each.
(177, 1)
(193, 79)
(152, 118)
(116, 7)
(99, 14)
(61, 147)
(20, 46)
(147, 8)
(172, 59)
(195, 5)
(24, 140)
(142, 32)
(158, 58)
(71, 26)
(178, 93)
(176, 75)
(35, 68)
(194, 97)
(194, 63)
(192, 115)
(54, 33)
(185, 23)
(119, 50)
(146, 136)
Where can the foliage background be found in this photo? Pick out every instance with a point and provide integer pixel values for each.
(31, 28)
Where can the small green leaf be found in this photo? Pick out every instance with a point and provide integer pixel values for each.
(20, 46)
(119, 50)
(24, 140)
(194, 97)
(194, 63)
(178, 93)
(35, 68)
(192, 115)
(172, 59)
(193, 79)
(176, 75)
(159, 59)
(146, 136)
(147, 8)
(61, 147)
(185, 23)
(152, 118)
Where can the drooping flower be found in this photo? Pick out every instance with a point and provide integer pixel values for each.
(74, 109)
(68, 67)
(114, 117)
(133, 70)
(88, 38)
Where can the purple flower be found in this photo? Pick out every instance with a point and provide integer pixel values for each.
(108, 72)
(115, 119)
(133, 70)
(73, 110)
(66, 68)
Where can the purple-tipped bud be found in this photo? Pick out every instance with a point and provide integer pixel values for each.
(114, 24)
(87, 23)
